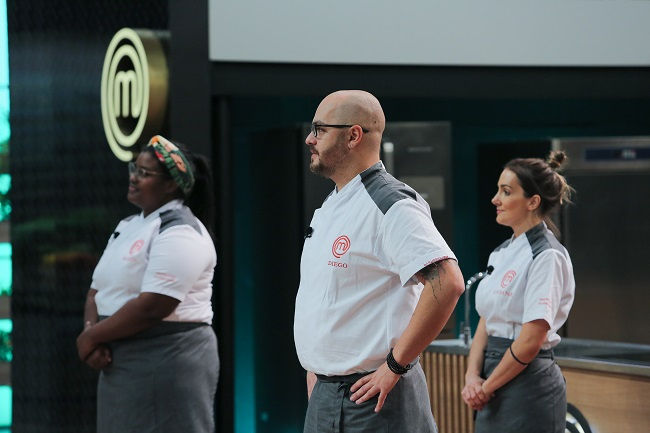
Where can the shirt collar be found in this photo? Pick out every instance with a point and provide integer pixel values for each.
(174, 204)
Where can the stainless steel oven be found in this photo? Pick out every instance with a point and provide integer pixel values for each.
(607, 233)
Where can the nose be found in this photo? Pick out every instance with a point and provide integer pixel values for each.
(310, 140)
(495, 199)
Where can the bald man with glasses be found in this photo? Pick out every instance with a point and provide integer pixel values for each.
(378, 282)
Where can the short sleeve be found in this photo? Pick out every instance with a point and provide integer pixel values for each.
(411, 239)
(546, 282)
(176, 261)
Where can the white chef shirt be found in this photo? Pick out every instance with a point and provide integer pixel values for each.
(357, 292)
(169, 252)
(532, 279)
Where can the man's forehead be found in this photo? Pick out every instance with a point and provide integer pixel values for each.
(325, 110)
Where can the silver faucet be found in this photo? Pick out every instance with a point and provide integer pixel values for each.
(467, 327)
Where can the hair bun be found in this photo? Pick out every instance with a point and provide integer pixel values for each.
(557, 159)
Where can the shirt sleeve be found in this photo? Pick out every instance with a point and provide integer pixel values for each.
(411, 239)
(176, 262)
(546, 282)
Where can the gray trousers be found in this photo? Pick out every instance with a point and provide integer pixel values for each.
(406, 410)
(533, 402)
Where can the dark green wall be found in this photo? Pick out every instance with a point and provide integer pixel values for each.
(474, 123)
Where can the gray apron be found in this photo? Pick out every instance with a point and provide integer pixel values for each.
(406, 409)
(162, 380)
(532, 402)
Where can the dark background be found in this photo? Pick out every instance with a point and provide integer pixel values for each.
(68, 190)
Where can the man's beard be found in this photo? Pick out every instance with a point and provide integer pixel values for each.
(319, 169)
(334, 157)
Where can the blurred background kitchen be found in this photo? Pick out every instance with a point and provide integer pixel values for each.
(465, 87)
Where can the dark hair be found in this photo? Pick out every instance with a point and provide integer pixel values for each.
(200, 199)
(540, 177)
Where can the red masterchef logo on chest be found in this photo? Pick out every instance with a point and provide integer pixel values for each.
(136, 247)
(341, 246)
(507, 278)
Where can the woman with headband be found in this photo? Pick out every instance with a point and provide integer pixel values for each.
(148, 310)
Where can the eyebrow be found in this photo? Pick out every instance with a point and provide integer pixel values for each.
(151, 168)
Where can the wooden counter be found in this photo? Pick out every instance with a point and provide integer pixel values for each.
(445, 374)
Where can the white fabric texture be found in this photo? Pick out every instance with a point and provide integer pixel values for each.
(357, 292)
(178, 262)
(532, 279)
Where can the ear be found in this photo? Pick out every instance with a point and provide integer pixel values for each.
(356, 133)
(534, 202)
(171, 187)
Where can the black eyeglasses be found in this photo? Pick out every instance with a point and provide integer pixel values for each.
(142, 173)
(316, 126)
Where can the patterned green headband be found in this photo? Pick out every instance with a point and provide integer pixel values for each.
(176, 163)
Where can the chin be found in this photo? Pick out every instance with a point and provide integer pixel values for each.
(132, 200)
(316, 168)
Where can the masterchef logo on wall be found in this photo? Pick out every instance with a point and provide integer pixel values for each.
(134, 89)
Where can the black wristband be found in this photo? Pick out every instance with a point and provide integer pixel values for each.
(517, 359)
(394, 366)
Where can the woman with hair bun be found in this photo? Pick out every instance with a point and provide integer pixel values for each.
(148, 311)
(512, 379)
